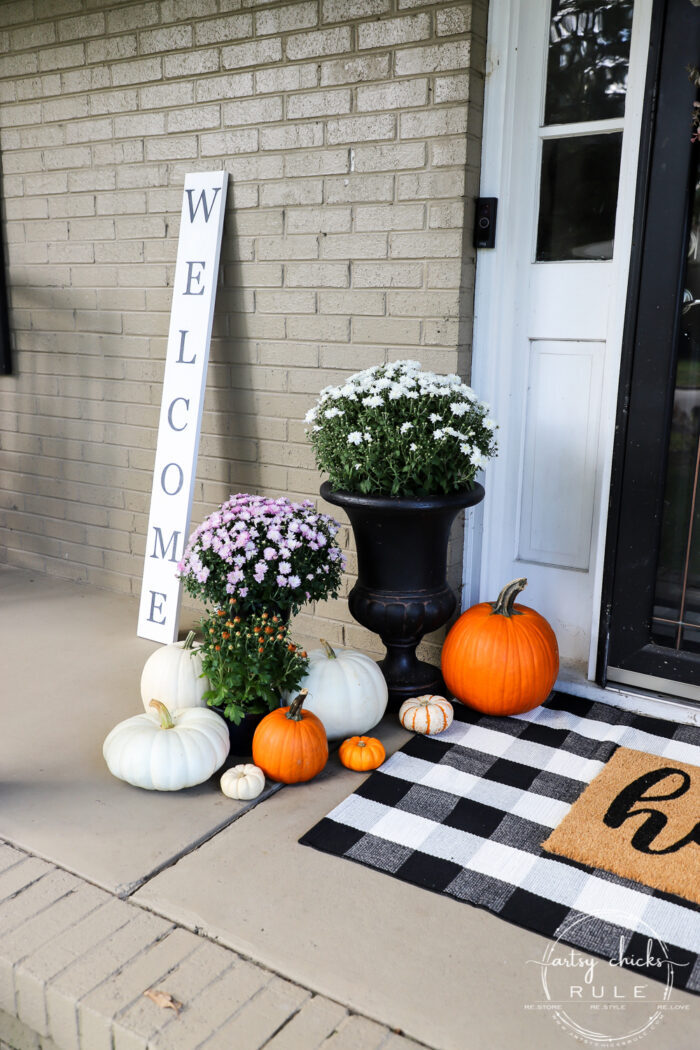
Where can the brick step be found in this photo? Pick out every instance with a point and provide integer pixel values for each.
(75, 962)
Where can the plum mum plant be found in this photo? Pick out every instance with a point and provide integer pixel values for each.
(271, 553)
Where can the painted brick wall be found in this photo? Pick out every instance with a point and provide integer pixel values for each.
(351, 131)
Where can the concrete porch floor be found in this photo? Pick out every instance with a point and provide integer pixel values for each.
(106, 890)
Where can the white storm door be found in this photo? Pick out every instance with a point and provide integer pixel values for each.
(560, 147)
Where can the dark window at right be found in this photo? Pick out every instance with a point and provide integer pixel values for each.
(578, 197)
(589, 49)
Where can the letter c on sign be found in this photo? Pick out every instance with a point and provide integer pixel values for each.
(179, 484)
(175, 400)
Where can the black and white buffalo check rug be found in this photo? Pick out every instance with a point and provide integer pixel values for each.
(464, 814)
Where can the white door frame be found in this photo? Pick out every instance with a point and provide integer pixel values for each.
(495, 276)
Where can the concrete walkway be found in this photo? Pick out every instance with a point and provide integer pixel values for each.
(107, 891)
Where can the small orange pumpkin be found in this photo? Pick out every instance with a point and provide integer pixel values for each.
(361, 753)
(501, 658)
(290, 744)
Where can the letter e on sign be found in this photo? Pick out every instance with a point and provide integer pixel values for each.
(189, 337)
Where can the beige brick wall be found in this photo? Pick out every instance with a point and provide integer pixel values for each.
(351, 131)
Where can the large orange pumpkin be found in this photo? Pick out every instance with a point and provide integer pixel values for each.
(499, 657)
(290, 744)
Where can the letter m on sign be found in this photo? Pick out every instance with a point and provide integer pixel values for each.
(187, 354)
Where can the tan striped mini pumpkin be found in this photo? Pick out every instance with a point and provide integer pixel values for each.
(426, 714)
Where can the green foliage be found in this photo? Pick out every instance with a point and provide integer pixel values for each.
(249, 661)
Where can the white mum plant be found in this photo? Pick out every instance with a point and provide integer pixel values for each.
(395, 430)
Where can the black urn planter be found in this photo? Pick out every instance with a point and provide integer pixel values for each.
(402, 591)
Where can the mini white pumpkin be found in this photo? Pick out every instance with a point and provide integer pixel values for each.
(244, 782)
(427, 714)
(164, 752)
(174, 672)
(347, 691)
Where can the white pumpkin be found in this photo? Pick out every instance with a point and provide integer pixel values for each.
(164, 752)
(243, 782)
(347, 691)
(427, 714)
(174, 672)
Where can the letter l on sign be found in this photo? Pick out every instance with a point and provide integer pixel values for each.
(189, 337)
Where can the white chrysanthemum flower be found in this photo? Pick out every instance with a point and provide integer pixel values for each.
(379, 386)
(317, 428)
(311, 415)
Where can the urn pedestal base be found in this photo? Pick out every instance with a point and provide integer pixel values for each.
(409, 676)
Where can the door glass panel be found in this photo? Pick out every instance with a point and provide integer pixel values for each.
(589, 48)
(578, 197)
(676, 620)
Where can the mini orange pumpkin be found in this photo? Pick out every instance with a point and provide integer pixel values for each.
(361, 753)
(290, 744)
(501, 658)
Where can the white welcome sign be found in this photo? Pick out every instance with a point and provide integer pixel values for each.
(191, 319)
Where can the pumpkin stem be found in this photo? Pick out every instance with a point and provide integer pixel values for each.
(294, 711)
(188, 640)
(503, 605)
(361, 743)
(166, 721)
(330, 651)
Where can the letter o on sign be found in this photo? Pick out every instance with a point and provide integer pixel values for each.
(163, 479)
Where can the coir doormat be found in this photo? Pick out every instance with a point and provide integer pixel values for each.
(640, 818)
(466, 813)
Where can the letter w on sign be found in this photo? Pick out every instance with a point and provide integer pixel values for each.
(191, 319)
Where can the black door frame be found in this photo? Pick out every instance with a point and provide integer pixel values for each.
(648, 366)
